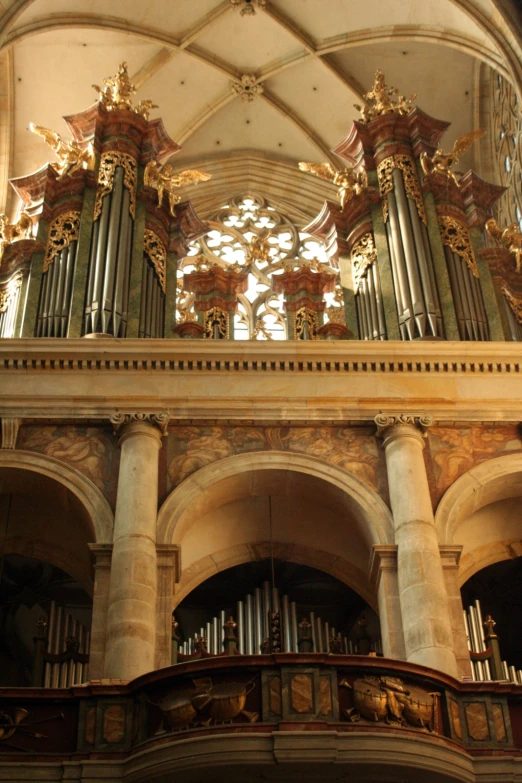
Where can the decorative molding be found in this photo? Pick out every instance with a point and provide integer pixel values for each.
(248, 7)
(169, 557)
(10, 427)
(63, 230)
(156, 252)
(382, 558)
(247, 87)
(363, 255)
(108, 163)
(386, 422)
(406, 164)
(455, 235)
(102, 554)
(159, 420)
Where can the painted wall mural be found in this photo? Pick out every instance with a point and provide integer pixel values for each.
(353, 449)
(91, 450)
(455, 450)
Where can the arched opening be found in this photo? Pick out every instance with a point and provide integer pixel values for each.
(246, 593)
(49, 514)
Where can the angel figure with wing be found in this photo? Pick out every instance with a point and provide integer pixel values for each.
(71, 155)
(164, 180)
(510, 237)
(441, 162)
(350, 182)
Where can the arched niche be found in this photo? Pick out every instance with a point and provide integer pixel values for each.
(52, 512)
(321, 516)
(482, 513)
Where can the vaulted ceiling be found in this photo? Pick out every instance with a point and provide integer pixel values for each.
(312, 58)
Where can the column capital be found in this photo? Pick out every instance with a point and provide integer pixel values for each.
(102, 554)
(169, 557)
(157, 421)
(450, 555)
(382, 558)
(10, 427)
(393, 425)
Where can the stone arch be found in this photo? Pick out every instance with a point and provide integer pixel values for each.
(480, 511)
(95, 504)
(372, 513)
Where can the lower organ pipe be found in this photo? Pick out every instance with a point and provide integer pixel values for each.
(249, 625)
(240, 619)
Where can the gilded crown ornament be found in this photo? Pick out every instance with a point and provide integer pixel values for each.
(117, 91)
(72, 156)
(12, 232)
(350, 181)
(510, 237)
(247, 87)
(382, 99)
(164, 180)
(247, 7)
(441, 162)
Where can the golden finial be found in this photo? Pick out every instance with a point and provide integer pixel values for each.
(117, 91)
(382, 99)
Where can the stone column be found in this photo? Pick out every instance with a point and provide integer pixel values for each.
(450, 556)
(168, 575)
(131, 616)
(383, 577)
(102, 570)
(428, 638)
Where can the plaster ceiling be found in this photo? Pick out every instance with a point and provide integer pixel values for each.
(313, 58)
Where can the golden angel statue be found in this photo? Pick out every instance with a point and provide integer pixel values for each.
(441, 162)
(259, 249)
(382, 99)
(72, 155)
(510, 237)
(164, 180)
(11, 232)
(350, 182)
(117, 90)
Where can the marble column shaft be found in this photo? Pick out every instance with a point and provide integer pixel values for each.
(131, 616)
(428, 637)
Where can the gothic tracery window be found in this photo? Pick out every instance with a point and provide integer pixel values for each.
(507, 148)
(249, 234)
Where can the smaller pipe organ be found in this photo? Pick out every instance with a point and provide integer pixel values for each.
(483, 645)
(253, 620)
(62, 650)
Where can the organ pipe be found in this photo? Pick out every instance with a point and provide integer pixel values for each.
(481, 670)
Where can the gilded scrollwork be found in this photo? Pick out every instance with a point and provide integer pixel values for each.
(364, 254)
(306, 320)
(156, 252)
(455, 235)
(108, 164)
(411, 182)
(63, 230)
(515, 303)
(216, 318)
(9, 293)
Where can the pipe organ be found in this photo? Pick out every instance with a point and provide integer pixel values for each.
(486, 663)
(253, 629)
(63, 650)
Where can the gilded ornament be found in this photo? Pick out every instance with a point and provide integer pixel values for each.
(261, 330)
(216, 318)
(364, 253)
(12, 232)
(117, 91)
(156, 252)
(382, 99)
(72, 155)
(515, 303)
(510, 237)
(350, 181)
(388, 699)
(164, 180)
(63, 230)
(306, 324)
(9, 293)
(248, 7)
(455, 235)
(247, 87)
(441, 162)
(411, 183)
(108, 164)
(259, 249)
